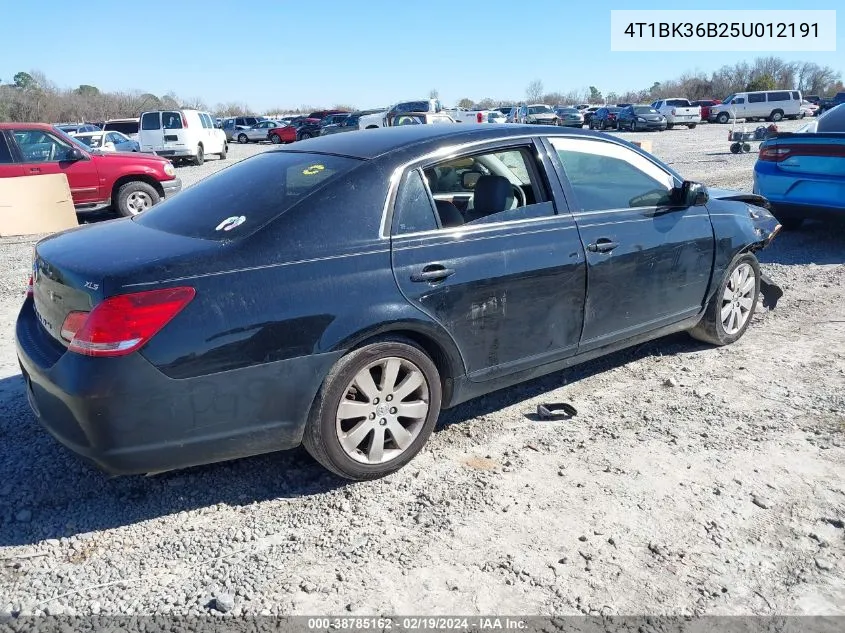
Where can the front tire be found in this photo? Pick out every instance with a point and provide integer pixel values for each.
(275, 139)
(356, 428)
(730, 310)
(134, 197)
(692, 126)
(723, 117)
(243, 139)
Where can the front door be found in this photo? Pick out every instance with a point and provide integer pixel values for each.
(48, 153)
(505, 273)
(10, 166)
(648, 263)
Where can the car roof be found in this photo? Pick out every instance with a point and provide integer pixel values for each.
(29, 126)
(369, 144)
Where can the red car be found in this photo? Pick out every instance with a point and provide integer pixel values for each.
(705, 105)
(128, 182)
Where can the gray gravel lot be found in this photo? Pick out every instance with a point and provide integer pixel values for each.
(693, 481)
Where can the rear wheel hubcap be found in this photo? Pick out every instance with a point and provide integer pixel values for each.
(382, 411)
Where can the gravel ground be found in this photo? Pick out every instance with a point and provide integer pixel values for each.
(692, 481)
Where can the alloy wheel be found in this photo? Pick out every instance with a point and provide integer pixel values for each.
(738, 298)
(383, 410)
(138, 201)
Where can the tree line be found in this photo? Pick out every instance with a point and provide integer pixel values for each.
(31, 96)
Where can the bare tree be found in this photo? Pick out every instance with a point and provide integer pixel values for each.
(534, 91)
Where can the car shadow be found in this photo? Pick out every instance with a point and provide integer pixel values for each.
(47, 492)
(813, 243)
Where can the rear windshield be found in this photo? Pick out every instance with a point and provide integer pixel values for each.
(249, 194)
(125, 127)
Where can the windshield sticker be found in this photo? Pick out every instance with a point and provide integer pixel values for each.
(230, 223)
(312, 170)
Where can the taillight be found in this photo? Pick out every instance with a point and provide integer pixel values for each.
(184, 119)
(124, 323)
(479, 117)
(29, 287)
(773, 154)
(72, 324)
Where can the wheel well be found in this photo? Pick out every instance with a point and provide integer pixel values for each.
(155, 184)
(438, 355)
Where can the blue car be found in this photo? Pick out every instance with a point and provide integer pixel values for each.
(803, 173)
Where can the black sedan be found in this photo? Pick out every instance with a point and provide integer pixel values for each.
(341, 293)
(640, 117)
(604, 118)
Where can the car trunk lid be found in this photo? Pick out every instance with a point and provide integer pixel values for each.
(76, 270)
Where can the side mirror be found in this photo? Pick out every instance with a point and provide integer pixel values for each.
(74, 154)
(692, 194)
(109, 146)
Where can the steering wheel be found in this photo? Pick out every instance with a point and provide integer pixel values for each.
(520, 196)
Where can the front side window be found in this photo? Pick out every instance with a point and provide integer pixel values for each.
(608, 176)
(42, 147)
(5, 152)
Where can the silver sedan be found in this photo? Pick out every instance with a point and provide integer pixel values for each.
(256, 133)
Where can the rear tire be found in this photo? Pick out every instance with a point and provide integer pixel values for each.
(359, 447)
(304, 136)
(225, 151)
(777, 115)
(199, 159)
(692, 126)
(730, 309)
(134, 197)
(669, 126)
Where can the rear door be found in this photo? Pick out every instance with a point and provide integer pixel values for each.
(505, 279)
(648, 263)
(10, 166)
(150, 135)
(47, 153)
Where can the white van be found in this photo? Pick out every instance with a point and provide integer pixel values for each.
(181, 134)
(773, 105)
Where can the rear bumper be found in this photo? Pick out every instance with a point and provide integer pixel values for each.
(171, 187)
(800, 196)
(175, 153)
(127, 417)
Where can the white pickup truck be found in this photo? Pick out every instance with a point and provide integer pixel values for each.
(465, 115)
(382, 119)
(678, 112)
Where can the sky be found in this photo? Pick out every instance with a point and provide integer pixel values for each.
(289, 54)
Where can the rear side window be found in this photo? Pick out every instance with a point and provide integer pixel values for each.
(5, 153)
(244, 197)
(795, 95)
(779, 96)
(413, 206)
(757, 98)
(151, 121)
